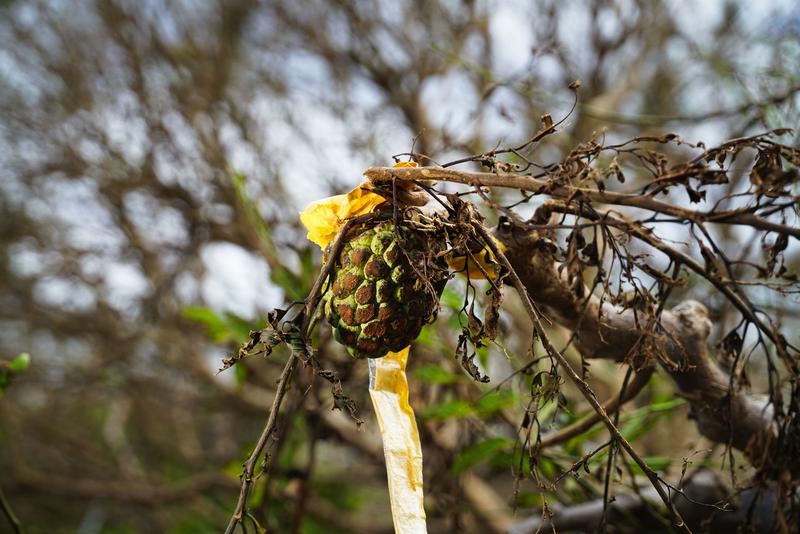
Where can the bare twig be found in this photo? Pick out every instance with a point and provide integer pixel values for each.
(583, 387)
(250, 465)
(610, 406)
(298, 354)
(604, 331)
(538, 185)
(9, 513)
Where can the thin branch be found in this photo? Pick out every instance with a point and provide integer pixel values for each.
(250, 465)
(9, 513)
(298, 354)
(739, 301)
(610, 406)
(584, 388)
(537, 185)
(703, 500)
(722, 414)
(530, 183)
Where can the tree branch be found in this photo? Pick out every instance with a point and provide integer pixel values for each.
(538, 185)
(5, 506)
(724, 413)
(610, 406)
(583, 387)
(702, 501)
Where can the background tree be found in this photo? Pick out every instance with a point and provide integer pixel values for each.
(154, 157)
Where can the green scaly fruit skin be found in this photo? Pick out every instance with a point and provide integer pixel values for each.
(378, 302)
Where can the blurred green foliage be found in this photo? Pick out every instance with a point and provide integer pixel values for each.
(223, 328)
(10, 368)
(480, 451)
(486, 406)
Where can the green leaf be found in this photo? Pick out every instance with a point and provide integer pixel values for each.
(479, 451)
(448, 410)
(495, 401)
(547, 467)
(238, 326)
(20, 363)
(240, 374)
(516, 459)
(342, 495)
(529, 499)
(482, 353)
(635, 423)
(308, 269)
(546, 411)
(426, 336)
(17, 365)
(215, 325)
(486, 405)
(253, 214)
(452, 299)
(434, 374)
(666, 406)
(288, 281)
(224, 328)
(642, 420)
(656, 463)
(259, 490)
(233, 468)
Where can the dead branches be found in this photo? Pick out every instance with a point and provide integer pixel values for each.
(612, 333)
(613, 234)
(300, 352)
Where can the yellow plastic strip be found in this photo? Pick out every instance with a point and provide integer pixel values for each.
(388, 389)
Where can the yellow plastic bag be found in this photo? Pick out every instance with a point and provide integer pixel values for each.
(323, 218)
(388, 387)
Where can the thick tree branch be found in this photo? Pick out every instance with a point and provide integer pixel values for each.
(581, 384)
(701, 503)
(724, 413)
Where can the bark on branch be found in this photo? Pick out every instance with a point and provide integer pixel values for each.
(702, 487)
(724, 413)
(539, 185)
